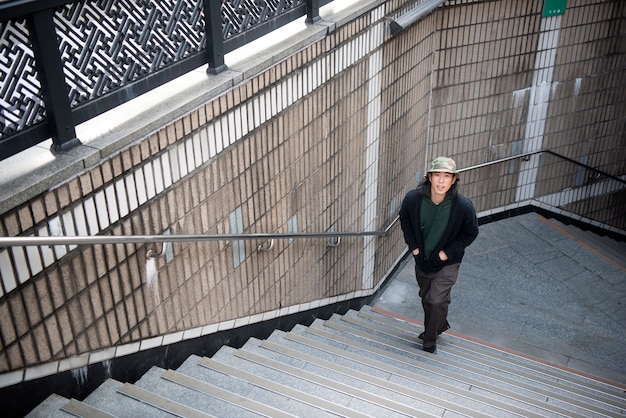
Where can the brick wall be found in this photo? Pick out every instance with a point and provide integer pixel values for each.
(328, 139)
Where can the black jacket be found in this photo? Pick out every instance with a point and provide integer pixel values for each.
(461, 231)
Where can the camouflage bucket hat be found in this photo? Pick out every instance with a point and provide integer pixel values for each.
(443, 165)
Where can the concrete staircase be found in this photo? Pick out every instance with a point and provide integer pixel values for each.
(359, 364)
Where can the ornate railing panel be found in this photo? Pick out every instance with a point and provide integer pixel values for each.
(63, 62)
(21, 100)
(241, 15)
(108, 44)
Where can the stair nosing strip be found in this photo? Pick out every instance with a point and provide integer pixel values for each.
(543, 392)
(159, 402)
(222, 394)
(438, 402)
(81, 409)
(618, 402)
(409, 375)
(278, 388)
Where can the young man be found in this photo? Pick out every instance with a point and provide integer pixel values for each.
(438, 224)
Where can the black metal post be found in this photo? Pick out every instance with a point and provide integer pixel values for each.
(312, 11)
(53, 86)
(215, 39)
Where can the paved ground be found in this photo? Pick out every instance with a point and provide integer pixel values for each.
(527, 286)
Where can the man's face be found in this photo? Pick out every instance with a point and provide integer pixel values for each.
(440, 183)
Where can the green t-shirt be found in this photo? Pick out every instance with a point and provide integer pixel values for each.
(433, 222)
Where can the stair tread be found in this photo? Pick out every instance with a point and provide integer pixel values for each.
(416, 374)
(108, 399)
(203, 396)
(335, 369)
(467, 361)
(51, 407)
(300, 374)
(160, 402)
(496, 385)
(276, 387)
(424, 369)
(81, 409)
(556, 377)
(231, 397)
(349, 366)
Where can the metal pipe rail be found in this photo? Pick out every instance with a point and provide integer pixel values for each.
(527, 155)
(333, 238)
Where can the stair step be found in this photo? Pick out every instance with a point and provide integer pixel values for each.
(197, 394)
(469, 362)
(109, 399)
(304, 397)
(613, 249)
(51, 407)
(382, 384)
(216, 392)
(159, 402)
(80, 409)
(537, 372)
(288, 392)
(416, 375)
(484, 382)
(281, 351)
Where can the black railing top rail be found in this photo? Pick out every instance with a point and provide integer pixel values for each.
(83, 69)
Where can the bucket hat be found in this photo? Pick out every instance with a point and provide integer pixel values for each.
(443, 165)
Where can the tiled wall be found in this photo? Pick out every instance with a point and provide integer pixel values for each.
(510, 81)
(329, 139)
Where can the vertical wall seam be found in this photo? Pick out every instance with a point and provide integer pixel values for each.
(538, 105)
(372, 153)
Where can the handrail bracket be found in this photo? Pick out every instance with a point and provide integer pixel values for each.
(267, 246)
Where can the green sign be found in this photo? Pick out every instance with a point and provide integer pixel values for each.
(554, 7)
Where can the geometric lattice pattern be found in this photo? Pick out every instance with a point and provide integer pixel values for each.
(106, 44)
(240, 15)
(21, 103)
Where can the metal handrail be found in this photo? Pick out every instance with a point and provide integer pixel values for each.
(333, 238)
(529, 154)
(151, 239)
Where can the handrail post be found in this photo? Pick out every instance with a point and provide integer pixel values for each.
(312, 11)
(53, 86)
(215, 39)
